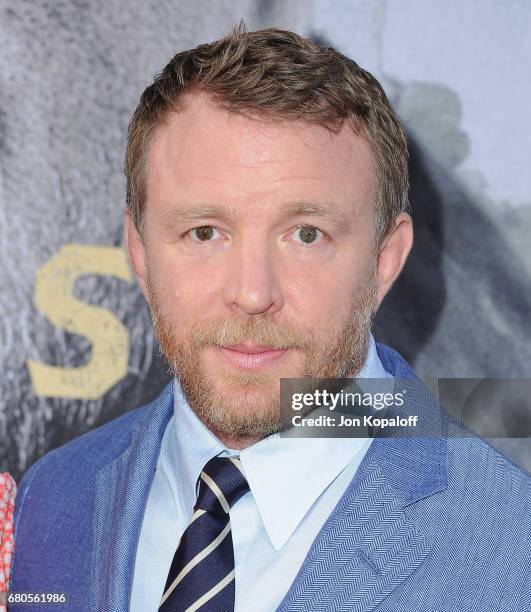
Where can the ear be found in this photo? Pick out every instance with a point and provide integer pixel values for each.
(392, 254)
(136, 252)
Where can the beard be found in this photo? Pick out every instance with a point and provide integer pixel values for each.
(243, 406)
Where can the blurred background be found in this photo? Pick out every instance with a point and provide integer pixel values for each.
(76, 347)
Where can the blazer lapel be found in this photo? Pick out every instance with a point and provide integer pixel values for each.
(121, 490)
(370, 545)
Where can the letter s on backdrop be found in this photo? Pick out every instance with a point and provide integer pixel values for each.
(110, 341)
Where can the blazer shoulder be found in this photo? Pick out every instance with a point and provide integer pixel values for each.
(95, 446)
(69, 469)
(484, 473)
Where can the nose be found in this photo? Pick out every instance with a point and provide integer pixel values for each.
(252, 285)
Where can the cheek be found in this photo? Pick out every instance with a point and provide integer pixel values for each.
(317, 302)
(184, 298)
(324, 303)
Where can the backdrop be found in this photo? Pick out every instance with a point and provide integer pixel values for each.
(76, 347)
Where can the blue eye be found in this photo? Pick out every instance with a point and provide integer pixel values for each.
(308, 233)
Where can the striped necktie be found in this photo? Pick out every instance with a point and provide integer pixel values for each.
(201, 575)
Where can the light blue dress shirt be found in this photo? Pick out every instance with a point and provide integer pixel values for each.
(295, 483)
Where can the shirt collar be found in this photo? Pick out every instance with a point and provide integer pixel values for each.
(306, 465)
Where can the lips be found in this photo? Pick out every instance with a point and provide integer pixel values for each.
(249, 347)
(250, 356)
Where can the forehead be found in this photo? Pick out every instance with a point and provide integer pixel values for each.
(206, 154)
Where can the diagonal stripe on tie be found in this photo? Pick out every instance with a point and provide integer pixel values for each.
(195, 560)
(201, 575)
(207, 597)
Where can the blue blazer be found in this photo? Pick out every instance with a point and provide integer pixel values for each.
(428, 524)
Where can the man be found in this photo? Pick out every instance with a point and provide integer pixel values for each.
(266, 221)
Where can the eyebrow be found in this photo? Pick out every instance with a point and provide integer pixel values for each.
(181, 213)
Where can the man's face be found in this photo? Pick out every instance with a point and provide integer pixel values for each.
(258, 234)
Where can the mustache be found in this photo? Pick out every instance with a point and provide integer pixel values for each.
(263, 331)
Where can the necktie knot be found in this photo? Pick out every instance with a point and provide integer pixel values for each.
(221, 484)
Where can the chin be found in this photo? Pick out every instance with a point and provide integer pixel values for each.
(241, 387)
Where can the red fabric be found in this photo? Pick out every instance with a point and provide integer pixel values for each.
(7, 503)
